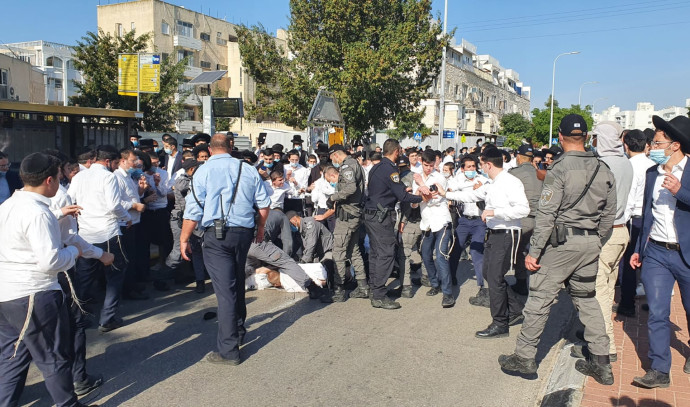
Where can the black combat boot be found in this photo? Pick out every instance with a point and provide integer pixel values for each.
(597, 366)
(653, 378)
(407, 291)
(385, 303)
(362, 290)
(339, 295)
(515, 363)
(481, 299)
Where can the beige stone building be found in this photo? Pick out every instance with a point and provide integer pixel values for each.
(19, 81)
(209, 43)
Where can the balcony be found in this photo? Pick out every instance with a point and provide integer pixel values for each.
(189, 126)
(187, 42)
(192, 71)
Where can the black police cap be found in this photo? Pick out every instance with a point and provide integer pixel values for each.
(336, 147)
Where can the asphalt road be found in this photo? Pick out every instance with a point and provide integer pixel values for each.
(300, 352)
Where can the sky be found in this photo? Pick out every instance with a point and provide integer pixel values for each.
(635, 49)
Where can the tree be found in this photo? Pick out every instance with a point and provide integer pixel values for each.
(96, 56)
(379, 57)
(541, 120)
(515, 128)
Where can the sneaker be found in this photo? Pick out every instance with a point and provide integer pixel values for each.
(385, 303)
(88, 385)
(653, 378)
(216, 358)
(433, 291)
(515, 363)
(448, 301)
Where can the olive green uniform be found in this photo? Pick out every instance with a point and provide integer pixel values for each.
(574, 258)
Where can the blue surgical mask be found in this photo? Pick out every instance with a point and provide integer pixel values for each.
(157, 149)
(137, 173)
(312, 165)
(471, 174)
(135, 143)
(293, 228)
(268, 165)
(333, 184)
(336, 165)
(594, 150)
(298, 148)
(659, 156)
(131, 170)
(168, 151)
(293, 165)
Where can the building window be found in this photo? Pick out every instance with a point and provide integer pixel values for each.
(55, 62)
(464, 92)
(457, 91)
(3, 83)
(182, 54)
(220, 40)
(118, 29)
(132, 26)
(185, 29)
(206, 64)
(164, 57)
(165, 28)
(58, 83)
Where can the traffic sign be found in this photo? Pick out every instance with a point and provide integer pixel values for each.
(448, 133)
(417, 136)
(150, 71)
(128, 74)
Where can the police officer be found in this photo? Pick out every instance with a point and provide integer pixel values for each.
(526, 173)
(576, 211)
(348, 202)
(385, 189)
(224, 192)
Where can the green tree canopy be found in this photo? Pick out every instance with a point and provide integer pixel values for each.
(515, 127)
(96, 57)
(379, 57)
(541, 120)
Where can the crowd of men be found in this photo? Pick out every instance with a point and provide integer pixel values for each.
(573, 215)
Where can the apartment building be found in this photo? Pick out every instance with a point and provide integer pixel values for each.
(19, 81)
(55, 61)
(208, 43)
(478, 92)
(641, 117)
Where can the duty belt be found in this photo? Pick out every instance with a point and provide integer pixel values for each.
(582, 232)
(666, 245)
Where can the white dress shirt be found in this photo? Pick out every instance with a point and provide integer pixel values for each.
(664, 206)
(68, 226)
(171, 175)
(640, 163)
(322, 190)
(301, 175)
(161, 190)
(505, 196)
(417, 168)
(129, 190)
(278, 194)
(447, 159)
(97, 192)
(461, 183)
(31, 250)
(435, 213)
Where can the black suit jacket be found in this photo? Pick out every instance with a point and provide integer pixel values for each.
(13, 181)
(177, 164)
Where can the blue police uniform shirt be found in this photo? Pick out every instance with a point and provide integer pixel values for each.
(215, 181)
(385, 187)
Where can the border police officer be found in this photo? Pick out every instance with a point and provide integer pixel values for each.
(348, 197)
(576, 212)
(385, 189)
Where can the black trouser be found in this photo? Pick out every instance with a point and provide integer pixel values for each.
(382, 252)
(129, 246)
(497, 257)
(629, 277)
(77, 322)
(87, 273)
(46, 342)
(521, 272)
(155, 228)
(225, 260)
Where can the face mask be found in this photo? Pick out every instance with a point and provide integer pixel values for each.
(312, 165)
(659, 156)
(157, 149)
(131, 170)
(168, 151)
(594, 150)
(471, 174)
(446, 174)
(137, 173)
(268, 165)
(135, 143)
(293, 228)
(333, 184)
(298, 148)
(336, 165)
(293, 165)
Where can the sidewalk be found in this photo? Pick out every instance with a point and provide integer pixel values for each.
(632, 345)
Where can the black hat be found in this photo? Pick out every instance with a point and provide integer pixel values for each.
(322, 149)
(336, 147)
(277, 148)
(297, 139)
(236, 154)
(187, 142)
(572, 124)
(492, 152)
(556, 151)
(37, 163)
(403, 161)
(248, 155)
(526, 149)
(678, 129)
(146, 142)
(201, 137)
(134, 135)
(189, 163)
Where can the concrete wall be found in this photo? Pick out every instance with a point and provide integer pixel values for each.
(25, 81)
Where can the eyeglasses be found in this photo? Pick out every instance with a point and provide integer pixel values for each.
(658, 143)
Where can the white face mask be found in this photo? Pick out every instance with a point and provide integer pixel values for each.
(447, 174)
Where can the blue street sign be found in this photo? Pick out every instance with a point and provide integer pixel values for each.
(448, 133)
(417, 136)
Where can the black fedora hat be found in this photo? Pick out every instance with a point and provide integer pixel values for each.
(297, 139)
(678, 129)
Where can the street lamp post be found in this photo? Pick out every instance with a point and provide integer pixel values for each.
(553, 85)
(579, 96)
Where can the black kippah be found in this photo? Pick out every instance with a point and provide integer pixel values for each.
(36, 163)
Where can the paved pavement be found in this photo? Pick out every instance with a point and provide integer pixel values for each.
(302, 352)
(632, 343)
